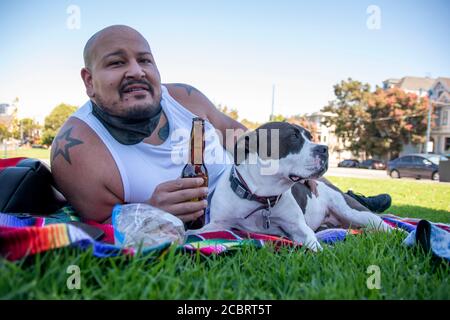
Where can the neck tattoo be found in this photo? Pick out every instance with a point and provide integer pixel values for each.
(128, 131)
(163, 132)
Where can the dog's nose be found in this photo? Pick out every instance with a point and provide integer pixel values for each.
(321, 149)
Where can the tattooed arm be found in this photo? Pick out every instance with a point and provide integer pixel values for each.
(84, 171)
(196, 102)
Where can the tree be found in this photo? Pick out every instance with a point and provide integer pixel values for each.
(250, 125)
(350, 106)
(25, 129)
(305, 123)
(232, 113)
(11, 121)
(55, 120)
(278, 118)
(397, 118)
(378, 123)
(4, 133)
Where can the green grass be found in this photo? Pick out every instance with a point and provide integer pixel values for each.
(410, 198)
(339, 272)
(26, 152)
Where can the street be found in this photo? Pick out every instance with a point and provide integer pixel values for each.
(357, 173)
(366, 173)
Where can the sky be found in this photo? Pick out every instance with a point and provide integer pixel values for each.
(232, 51)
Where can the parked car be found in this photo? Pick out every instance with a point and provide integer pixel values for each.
(417, 165)
(349, 163)
(373, 164)
(39, 146)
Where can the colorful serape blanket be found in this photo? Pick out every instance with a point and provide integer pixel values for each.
(26, 235)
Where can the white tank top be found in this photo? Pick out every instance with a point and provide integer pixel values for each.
(144, 166)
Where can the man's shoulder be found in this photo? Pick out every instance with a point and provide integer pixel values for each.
(75, 143)
(190, 97)
(74, 127)
(197, 103)
(79, 157)
(84, 170)
(183, 90)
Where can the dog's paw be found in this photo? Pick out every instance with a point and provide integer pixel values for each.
(381, 226)
(310, 243)
(314, 245)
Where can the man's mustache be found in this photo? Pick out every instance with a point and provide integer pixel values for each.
(127, 83)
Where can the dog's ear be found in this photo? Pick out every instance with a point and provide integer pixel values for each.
(246, 144)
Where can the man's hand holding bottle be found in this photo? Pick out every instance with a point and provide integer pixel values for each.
(176, 196)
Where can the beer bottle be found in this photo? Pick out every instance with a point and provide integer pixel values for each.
(195, 167)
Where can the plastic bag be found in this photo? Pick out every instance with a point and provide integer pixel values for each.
(140, 224)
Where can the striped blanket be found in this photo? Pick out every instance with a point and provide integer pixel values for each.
(25, 235)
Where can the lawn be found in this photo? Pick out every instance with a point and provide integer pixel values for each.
(26, 152)
(339, 272)
(410, 198)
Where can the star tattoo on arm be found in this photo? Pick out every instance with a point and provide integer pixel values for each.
(63, 143)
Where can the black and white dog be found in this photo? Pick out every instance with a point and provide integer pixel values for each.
(261, 193)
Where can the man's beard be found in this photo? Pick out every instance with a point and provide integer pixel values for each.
(138, 111)
(131, 125)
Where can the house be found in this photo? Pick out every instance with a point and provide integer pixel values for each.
(417, 85)
(336, 148)
(440, 98)
(390, 83)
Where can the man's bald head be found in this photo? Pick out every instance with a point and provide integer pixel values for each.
(111, 31)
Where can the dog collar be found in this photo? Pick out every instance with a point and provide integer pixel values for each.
(241, 189)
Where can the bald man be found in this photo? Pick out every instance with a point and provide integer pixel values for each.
(119, 147)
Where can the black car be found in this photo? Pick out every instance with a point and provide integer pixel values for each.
(372, 164)
(349, 163)
(416, 166)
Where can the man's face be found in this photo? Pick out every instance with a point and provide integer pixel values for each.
(123, 78)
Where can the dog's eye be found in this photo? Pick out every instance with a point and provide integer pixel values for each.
(296, 134)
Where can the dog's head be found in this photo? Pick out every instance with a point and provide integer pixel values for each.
(289, 146)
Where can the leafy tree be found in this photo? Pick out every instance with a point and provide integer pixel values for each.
(55, 120)
(4, 133)
(278, 118)
(305, 123)
(232, 113)
(397, 118)
(378, 123)
(250, 125)
(25, 128)
(350, 107)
